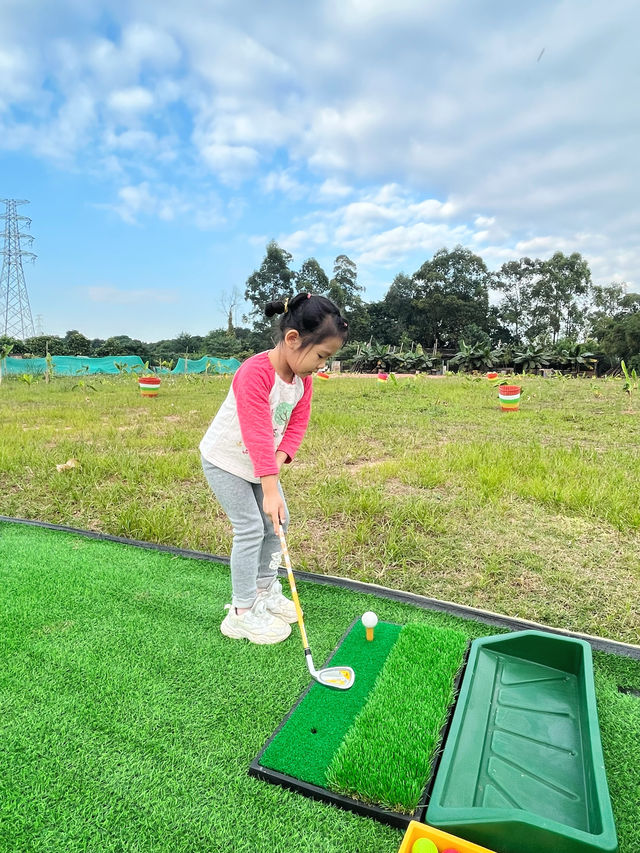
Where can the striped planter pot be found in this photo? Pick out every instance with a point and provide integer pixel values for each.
(149, 385)
(509, 396)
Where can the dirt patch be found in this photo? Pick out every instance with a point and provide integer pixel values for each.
(394, 486)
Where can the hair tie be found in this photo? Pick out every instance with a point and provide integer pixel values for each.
(286, 304)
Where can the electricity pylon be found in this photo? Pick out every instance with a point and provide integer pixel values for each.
(15, 312)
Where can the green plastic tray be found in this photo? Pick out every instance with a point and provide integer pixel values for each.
(522, 769)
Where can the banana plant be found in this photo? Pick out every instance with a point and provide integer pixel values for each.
(473, 356)
(630, 377)
(576, 356)
(532, 358)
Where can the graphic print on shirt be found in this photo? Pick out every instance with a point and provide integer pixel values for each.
(282, 413)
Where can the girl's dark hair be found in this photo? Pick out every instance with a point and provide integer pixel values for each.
(313, 317)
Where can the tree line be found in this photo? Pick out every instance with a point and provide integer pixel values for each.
(528, 312)
(453, 303)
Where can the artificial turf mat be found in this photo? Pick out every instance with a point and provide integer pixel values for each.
(387, 755)
(128, 721)
(376, 741)
(306, 743)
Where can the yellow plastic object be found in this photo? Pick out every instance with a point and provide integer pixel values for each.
(442, 840)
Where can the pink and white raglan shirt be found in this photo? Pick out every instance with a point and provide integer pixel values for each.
(260, 415)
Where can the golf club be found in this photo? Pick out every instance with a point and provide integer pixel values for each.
(339, 677)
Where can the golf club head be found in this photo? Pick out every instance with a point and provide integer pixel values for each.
(340, 677)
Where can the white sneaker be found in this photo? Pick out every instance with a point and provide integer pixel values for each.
(256, 625)
(278, 604)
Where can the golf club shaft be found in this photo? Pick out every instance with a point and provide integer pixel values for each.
(294, 591)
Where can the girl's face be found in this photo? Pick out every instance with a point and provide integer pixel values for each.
(305, 360)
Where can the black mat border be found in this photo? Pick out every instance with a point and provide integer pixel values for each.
(462, 611)
(379, 813)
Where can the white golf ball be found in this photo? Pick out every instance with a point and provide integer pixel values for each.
(369, 619)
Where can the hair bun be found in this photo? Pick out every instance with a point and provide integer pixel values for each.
(275, 307)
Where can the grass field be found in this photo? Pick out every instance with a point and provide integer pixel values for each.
(129, 722)
(425, 486)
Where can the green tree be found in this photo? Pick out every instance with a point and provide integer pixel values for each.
(273, 280)
(76, 344)
(191, 344)
(395, 314)
(312, 278)
(124, 345)
(359, 320)
(474, 337)
(220, 343)
(38, 345)
(619, 336)
(344, 289)
(514, 281)
(15, 346)
(559, 297)
(451, 292)
(607, 301)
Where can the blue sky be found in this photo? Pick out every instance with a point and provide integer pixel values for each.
(162, 144)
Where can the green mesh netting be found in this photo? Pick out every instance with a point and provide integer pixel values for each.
(71, 365)
(206, 364)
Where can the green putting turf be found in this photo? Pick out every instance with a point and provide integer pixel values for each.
(374, 742)
(387, 755)
(307, 742)
(128, 721)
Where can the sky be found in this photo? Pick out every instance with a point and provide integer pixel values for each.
(161, 145)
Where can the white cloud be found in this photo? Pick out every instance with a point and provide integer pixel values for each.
(283, 181)
(70, 129)
(146, 44)
(389, 247)
(332, 188)
(382, 227)
(142, 201)
(16, 70)
(141, 47)
(231, 163)
(131, 140)
(135, 99)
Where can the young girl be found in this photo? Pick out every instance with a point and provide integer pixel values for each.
(258, 428)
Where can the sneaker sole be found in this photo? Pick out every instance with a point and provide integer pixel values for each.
(288, 619)
(257, 639)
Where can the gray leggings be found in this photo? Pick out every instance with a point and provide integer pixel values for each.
(255, 555)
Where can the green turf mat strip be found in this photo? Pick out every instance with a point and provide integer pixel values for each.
(386, 756)
(310, 736)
